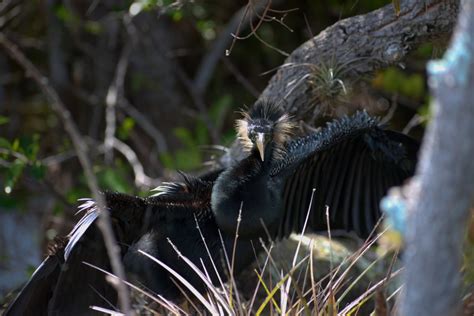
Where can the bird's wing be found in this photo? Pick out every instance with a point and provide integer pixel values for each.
(63, 284)
(79, 286)
(34, 297)
(351, 164)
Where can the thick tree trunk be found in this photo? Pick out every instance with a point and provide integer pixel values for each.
(439, 207)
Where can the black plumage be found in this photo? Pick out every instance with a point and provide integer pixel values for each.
(64, 285)
(351, 164)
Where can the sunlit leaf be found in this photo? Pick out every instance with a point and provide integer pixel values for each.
(125, 128)
(15, 145)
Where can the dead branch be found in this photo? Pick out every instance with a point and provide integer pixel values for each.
(81, 148)
(114, 94)
(141, 179)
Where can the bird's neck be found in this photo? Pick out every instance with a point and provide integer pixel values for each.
(247, 186)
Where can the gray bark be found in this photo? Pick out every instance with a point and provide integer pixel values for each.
(360, 45)
(444, 183)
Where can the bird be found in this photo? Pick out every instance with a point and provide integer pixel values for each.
(350, 164)
(163, 226)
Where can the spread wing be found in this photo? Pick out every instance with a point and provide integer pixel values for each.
(79, 286)
(63, 284)
(351, 164)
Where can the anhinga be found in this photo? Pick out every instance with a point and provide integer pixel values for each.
(65, 285)
(351, 163)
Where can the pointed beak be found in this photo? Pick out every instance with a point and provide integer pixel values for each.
(261, 145)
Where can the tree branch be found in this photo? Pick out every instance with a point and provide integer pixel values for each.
(360, 45)
(439, 209)
(81, 149)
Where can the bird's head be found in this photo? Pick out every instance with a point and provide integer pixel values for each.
(265, 127)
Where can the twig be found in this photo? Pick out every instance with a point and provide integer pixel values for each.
(217, 51)
(104, 219)
(240, 78)
(141, 179)
(114, 94)
(145, 124)
(260, 18)
(416, 120)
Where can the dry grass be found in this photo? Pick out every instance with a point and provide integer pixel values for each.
(298, 276)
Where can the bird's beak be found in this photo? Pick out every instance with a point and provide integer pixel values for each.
(261, 145)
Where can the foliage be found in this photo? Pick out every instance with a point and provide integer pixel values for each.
(17, 157)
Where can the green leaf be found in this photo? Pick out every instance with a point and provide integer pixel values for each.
(13, 173)
(413, 86)
(29, 145)
(167, 160)
(38, 170)
(425, 50)
(207, 29)
(4, 120)
(113, 179)
(177, 15)
(219, 110)
(66, 15)
(394, 80)
(187, 159)
(93, 27)
(4, 143)
(185, 136)
(202, 136)
(76, 193)
(15, 145)
(8, 202)
(58, 209)
(125, 128)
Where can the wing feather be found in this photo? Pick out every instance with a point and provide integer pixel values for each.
(352, 164)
